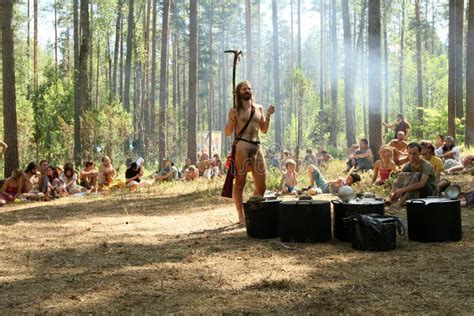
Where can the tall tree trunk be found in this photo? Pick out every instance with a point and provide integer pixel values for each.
(192, 98)
(118, 36)
(128, 65)
(375, 95)
(82, 71)
(348, 82)
(121, 72)
(97, 75)
(385, 73)
(248, 24)
(469, 129)
(211, 73)
(459, 59)
(144, 109)
(35, 45)
(321, 65)
(77, 97)
(276, 74)
(402, 60)
(299, 134)
(128, 58)
(455, 93)
(55, 5)
(419, 74)
(154, 36)
(163, 80)
(334, 77)
(10, 129)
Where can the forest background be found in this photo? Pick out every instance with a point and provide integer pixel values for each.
(129, 78)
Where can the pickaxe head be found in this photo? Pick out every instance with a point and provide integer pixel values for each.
(236, 53)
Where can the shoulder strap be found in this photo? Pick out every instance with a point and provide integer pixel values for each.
(242, 131)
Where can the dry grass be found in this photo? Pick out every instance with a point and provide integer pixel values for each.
(171, 249)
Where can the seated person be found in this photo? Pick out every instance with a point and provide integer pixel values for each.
(168, 173)
(106, 174)
(324, 157)
(439, 142)
(310, 158)
(318, 184)
(56, 183)
(133, 175)
(272, 160)
(10, 187)
(417, 179)
(363, 157)
(351, 152)
(427, 153)
(399, 145)
(44, 180)
(384, 167)
(202, 166)
(187, 163)
(69, 177)
(29, 183)
(88, 176)
(192, 173)
(285, 155)
(449, 153)
(289, 180)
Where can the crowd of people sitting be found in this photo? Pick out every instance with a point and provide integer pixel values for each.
(45, 181)
(416, 168)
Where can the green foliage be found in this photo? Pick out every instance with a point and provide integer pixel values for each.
(53, 120)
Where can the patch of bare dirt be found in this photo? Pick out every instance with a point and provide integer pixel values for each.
(169, 252)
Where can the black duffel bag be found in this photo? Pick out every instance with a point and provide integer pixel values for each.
(375, 232)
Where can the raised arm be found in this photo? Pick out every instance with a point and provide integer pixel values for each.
(265, 120)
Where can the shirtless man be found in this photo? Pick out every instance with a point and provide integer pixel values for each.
(249, 153)
(400, 154)
(106, 174)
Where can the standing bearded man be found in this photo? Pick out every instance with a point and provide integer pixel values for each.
(245, 121)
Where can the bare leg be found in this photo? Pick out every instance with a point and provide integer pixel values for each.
(259, 173)
(241, 163)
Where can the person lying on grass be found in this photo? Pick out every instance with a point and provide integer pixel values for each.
(289, 179)
(318, 184)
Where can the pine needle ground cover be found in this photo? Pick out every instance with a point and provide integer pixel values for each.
(174, 248)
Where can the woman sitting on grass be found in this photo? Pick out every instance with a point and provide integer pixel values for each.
(56, 185)
(191, 173)
(69, 177)
(384, 167)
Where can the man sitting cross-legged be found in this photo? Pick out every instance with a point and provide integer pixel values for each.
(417, 179)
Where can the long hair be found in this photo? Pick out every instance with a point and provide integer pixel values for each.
(238, 98)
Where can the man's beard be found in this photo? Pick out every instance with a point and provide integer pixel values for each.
(246, 96)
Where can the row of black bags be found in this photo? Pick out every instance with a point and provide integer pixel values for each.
(374, 232)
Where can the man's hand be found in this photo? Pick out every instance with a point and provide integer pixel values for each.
(270, 110)
(233, 113)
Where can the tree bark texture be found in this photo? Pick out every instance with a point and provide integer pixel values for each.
(276, 74)
(163, 80)
(192, 96)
